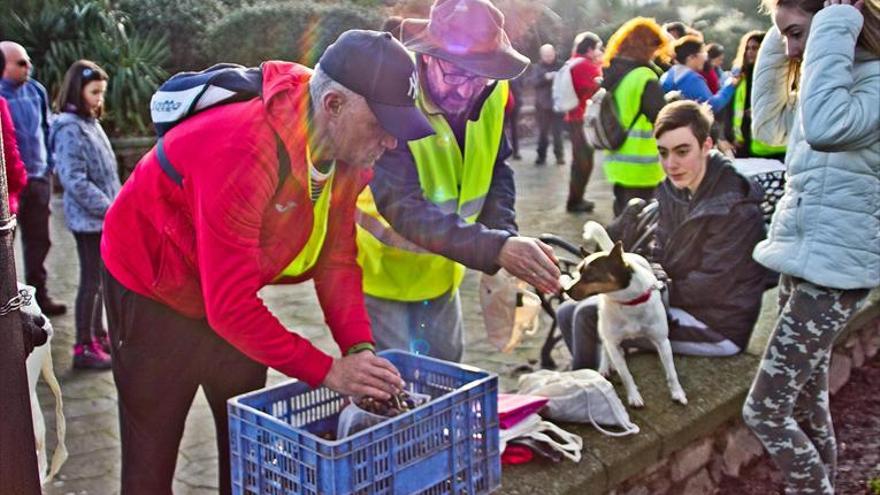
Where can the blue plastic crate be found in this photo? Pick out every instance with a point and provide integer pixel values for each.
(448, 446)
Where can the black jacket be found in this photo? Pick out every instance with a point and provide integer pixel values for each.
(705, 245)
(652, 98)
(543, 86)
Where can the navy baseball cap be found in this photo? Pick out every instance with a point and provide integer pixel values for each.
(376, 66)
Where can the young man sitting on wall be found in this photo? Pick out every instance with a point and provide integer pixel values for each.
(709, 221)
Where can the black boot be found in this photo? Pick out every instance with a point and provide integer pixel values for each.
(582, 206)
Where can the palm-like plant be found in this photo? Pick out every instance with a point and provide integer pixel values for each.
(61, 33)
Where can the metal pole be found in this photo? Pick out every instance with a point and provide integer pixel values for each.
(18, 453)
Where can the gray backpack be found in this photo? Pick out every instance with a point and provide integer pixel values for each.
(602, 124)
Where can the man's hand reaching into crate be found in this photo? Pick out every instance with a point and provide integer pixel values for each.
(364, 373)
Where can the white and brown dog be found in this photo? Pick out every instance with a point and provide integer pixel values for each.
(630, 306)
(39, 363)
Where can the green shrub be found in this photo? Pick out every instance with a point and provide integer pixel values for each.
(874, 486)
(294, 31)
(184, 23)
(133, 67)
(58, 34)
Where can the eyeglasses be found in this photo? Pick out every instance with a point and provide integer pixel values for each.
(459, 78)
(23, 63)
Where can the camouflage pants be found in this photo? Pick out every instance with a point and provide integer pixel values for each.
(788, 405)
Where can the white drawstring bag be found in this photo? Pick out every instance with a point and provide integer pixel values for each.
(579, 396)
(568, 444)
(510, 310)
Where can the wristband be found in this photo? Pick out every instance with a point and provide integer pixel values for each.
(361, 347)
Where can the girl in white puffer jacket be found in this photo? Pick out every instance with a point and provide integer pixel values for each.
(825, 234)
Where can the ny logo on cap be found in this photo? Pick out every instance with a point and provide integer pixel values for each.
(413, 91)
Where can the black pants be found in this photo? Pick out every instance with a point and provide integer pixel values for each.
(160, 358)
(33, 221)
(549, 122)
(581, 162)
(89, 301)
(513, 128)
(623, 194)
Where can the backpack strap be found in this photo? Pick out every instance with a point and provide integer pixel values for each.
(177, 178)
(166, 165)
(639, 110)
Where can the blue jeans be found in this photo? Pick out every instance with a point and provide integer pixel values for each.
(431, 327)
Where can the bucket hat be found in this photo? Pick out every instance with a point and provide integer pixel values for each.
(469, 34)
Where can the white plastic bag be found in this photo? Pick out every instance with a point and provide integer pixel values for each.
(579, 396)
(510, 310)
(569, 444)
(353, 419)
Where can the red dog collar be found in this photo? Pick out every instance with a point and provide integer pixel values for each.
(639, 300)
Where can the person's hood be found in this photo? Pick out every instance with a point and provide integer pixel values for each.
(66, 118)
(59, 120)
(678, 72)
(619, 68)
(286, 91)
(286, 101)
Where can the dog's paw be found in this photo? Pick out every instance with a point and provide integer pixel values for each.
(635, 399)
(678, 396)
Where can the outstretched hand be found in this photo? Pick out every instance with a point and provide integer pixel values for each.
(531, 260)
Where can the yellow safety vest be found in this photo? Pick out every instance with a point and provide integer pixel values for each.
(395, 268)
(636, 163)
(309, 254)
(756, 147)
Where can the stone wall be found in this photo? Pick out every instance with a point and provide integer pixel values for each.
(699, 467)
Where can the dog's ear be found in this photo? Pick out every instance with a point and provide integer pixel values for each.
(617, 251)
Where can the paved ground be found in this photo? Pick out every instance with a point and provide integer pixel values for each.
(90, 397)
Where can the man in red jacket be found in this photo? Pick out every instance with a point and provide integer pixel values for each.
(186, 251)
(585, 76)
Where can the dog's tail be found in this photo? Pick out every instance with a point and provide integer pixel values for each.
(594, 233)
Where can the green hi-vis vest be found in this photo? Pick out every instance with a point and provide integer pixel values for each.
(309, 254)
(397, 269)
(756, 148)
(636, 163)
